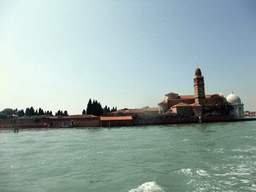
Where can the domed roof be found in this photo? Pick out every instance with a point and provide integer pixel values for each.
(233, 99)
(198, 72)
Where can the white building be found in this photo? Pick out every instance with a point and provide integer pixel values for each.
(238, 110)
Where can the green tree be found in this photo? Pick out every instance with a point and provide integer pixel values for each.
(118, 114)
(94, 108)
(2, 115)
(21, 113)
(31, 111)
(65, 113)
(89, 107)
(40, 111)
(105, 110)
(60, 113)
(217, 105)
(113, 109)
(7, 113)
(27, 112)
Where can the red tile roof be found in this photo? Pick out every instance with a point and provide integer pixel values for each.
(136, 110)
(73, 117)
(187, 96)
(80, 116)
(195, 105)
(168, 94)
(182, 105)
(163, 102)
(121, 118)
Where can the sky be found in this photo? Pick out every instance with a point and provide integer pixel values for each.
(56, 55)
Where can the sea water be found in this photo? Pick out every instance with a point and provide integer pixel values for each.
(191, 157)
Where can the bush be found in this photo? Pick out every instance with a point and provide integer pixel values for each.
(143, 116)
(214, 113)
(118, 114)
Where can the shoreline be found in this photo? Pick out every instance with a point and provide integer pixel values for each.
(189, 120)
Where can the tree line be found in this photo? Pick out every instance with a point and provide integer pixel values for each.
(94, 108)
(8, 113)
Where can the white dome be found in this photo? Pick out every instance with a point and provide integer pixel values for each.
(233, 99)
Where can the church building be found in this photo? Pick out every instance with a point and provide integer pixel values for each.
(189, 105)
(192, 105)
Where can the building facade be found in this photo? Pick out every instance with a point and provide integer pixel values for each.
(190, 105)
(238, 106)
(199, 87)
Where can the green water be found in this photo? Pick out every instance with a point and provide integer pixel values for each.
(192, 157)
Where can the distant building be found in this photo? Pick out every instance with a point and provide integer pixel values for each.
(188, 105)
(129, 112)
(74, 121)
(115, 121)
(192, 105)
(238, 106)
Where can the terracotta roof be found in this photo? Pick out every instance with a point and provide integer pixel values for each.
(192, 96)
(136, 110)
(121, 118)
(73, 117)
(195, 105)
(81, 116)
(181, 105)
(142, 110)
(171, 94)
(187, 96)
(163, 102)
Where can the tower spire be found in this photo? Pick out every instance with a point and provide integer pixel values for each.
(199, 87)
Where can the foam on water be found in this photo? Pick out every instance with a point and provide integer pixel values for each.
(148, 187)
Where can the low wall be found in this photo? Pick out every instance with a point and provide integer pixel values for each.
(183, 120)
(116, 123)
(77, 122)
(95, 122)
(218, 118)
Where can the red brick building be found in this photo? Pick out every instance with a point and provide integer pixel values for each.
(192, 104)
(74, 121)
(116, 121)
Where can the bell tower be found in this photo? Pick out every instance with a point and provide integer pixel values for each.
(199, 87)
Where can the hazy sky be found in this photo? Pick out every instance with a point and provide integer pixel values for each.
(57, 54)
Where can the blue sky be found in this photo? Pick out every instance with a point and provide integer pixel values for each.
(59, 54)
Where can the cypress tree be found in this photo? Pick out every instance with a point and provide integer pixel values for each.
(21, 113)
(32, 111)
(27, 112)
(89, 107)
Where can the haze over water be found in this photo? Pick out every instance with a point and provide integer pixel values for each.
(192, 157)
